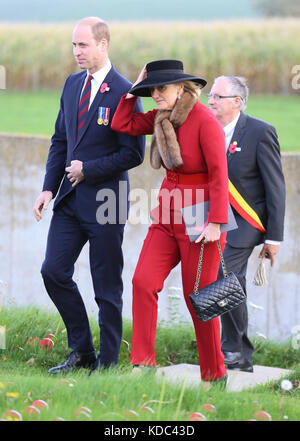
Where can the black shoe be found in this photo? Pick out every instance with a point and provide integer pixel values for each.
(75, 360)
(96, 366)
(243, 365)
(232, 358)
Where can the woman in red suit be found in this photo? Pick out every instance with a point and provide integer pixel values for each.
(189, 143)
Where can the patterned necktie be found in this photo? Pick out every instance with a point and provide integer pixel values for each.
(84, 106)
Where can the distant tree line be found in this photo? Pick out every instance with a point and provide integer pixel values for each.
(278, 8)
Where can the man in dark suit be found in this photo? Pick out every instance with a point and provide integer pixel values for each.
(257, 196)
(87, 169)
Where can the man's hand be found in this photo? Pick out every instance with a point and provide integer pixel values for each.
(42, 203)
(269, 251)
(74, 172)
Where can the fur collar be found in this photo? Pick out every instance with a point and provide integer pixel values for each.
(164, 145)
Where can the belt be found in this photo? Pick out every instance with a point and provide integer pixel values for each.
(180, 178)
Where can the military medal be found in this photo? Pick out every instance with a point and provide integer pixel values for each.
(103, 116)
(106, 116)
(100, 115)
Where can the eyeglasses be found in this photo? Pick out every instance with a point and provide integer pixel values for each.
(217, 97)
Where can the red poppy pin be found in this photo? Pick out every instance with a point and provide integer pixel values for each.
(233, 148)
(104, 88)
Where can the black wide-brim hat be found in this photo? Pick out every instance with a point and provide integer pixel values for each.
(162, 72)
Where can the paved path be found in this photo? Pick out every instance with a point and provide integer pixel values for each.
(237, 380)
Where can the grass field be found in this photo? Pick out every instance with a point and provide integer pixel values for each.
(35, 113)
(116, 395)
(39, 56)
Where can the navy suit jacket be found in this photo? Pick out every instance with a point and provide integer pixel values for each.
(257, 172)
(106, 155)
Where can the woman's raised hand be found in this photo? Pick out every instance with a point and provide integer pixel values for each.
(141, 77)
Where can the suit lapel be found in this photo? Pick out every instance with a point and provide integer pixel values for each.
(95, 104)
(238, 134)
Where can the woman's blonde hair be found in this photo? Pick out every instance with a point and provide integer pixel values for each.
(192, 87)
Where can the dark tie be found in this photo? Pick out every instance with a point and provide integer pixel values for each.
(84, 106)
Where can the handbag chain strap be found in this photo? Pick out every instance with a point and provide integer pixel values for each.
(200, 265)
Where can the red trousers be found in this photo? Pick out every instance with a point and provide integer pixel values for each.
(164, 247)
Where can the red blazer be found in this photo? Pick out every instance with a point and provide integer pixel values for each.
(202, 144)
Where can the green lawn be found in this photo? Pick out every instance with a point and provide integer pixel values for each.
(35, 113)
(28, 112)
(283, 113)
(117, 394)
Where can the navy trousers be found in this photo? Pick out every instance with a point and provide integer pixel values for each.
(68, 233)
(235, 323)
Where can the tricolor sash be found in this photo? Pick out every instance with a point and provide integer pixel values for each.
(244, 209)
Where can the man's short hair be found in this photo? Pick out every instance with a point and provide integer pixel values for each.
(99, 28)
(237, 86)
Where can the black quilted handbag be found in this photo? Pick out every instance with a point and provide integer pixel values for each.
(220, 296)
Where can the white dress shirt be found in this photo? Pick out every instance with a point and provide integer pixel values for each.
(98, 78)
(229, 130)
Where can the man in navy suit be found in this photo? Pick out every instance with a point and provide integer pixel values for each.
(255, 172)
(87, 163)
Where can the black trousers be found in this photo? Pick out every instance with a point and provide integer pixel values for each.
(234, 336)
(67, 235)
